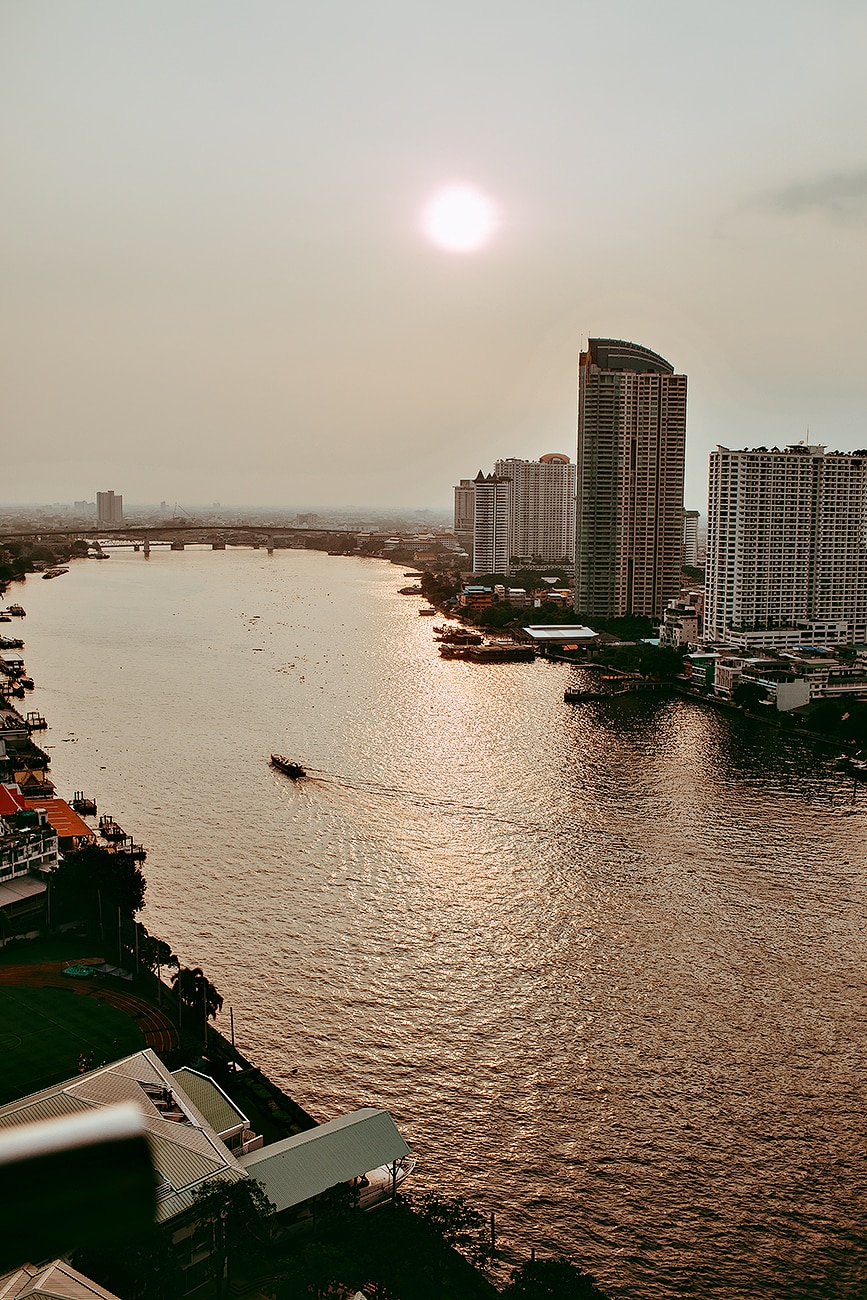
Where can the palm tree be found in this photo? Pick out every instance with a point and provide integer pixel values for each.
(196, 992)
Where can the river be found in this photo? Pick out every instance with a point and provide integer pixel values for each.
(603, 963)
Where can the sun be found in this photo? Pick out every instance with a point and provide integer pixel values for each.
(459, 219)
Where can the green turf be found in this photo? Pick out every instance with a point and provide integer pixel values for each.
(43, 1032)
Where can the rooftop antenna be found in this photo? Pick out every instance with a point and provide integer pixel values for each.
(808, 435)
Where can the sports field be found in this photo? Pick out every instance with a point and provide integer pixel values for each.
(44, 1032)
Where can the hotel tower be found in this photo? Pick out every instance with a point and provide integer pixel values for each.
(631, 447)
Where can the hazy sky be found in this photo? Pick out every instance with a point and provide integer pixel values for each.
(215, 285)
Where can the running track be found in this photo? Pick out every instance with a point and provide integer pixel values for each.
(159, 1032)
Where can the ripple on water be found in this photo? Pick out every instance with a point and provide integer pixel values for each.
(603, 963)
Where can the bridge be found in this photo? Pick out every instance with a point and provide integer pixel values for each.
(175, 535)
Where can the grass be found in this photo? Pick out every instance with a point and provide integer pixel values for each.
(44, 1031)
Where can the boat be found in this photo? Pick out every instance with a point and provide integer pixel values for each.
(17, 611)
(82, 804)
(110, 830)
(379, 1184)
(293, 770)
(409, 591)
(427, 611)
(35, 721)
(457, 636)
(54, 573)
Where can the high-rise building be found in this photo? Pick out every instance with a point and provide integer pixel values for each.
(690, 537)
(631, 447)
(109, 509)
(492, 523)
(464, 494)
(787, 547)
(543, 508)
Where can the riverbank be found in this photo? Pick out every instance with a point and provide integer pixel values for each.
(436, 923)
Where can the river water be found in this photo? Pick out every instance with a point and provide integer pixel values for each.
(603, 963)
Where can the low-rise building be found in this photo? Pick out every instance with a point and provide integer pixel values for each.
(28, 852)
(682, 620)
(473, 596)
(791, 679)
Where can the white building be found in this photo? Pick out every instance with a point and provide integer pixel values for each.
(690, 537)
(492, 523)
(787, 547)
(543, 508)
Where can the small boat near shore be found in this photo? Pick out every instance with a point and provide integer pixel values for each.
(293, 770)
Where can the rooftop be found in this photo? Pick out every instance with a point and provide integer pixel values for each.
(186, 1150)
(303, 1166)
(560, 632)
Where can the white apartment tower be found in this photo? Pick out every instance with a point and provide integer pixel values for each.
(109, 509)
(787, 547)
(690, 537)
(631, 448)
(543, 508)
(492, 523)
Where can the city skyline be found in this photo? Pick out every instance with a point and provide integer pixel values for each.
(220, 284)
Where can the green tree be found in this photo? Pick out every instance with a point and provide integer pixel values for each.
(196, 991)
(147, 1269)
(153, 952)
(748, 694)
(240, 1218)
(551, 1279)
(92, 883)
(458, 1225)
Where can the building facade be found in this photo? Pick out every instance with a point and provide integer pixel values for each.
(543, 508)
(630, 467)
(690, 537)
(109, 509)
(787, 547)
(492, 523)
(464, 505)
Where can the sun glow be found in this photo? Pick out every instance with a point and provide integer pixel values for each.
(459, 219)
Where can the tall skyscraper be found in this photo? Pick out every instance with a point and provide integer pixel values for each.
(690, 537)
(787, 547)
(109, 509)
(492, 523)
(543, 508)
(631, 447)
(464, 506)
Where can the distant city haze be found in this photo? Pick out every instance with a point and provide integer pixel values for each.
(219, 285)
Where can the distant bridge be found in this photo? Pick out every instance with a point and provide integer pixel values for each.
(176, 534)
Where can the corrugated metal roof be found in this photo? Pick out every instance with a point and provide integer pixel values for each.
(219, 1110)
(307, 1164)
(64, 819)
(40, 1106)
(55, 1281)
(185, 1153)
